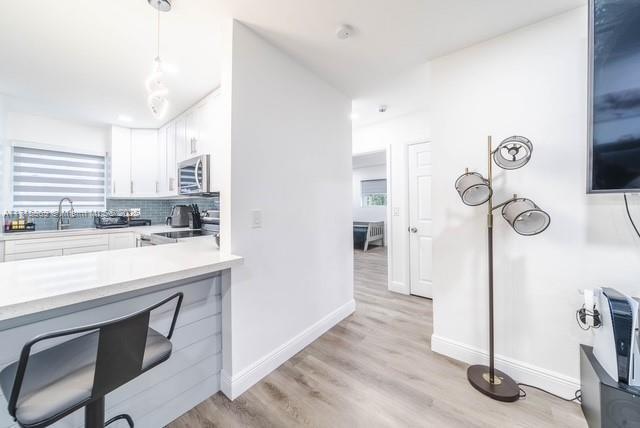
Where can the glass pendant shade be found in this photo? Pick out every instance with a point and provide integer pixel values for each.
(513, 153)
(158, 106)
(157, 98)
(525, 217)
(473, 188)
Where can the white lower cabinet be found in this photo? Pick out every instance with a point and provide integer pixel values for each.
(24, 249)
(120, 241)
(32, 255)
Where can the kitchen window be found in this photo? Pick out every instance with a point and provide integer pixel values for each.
(41, 177)
(374, 193)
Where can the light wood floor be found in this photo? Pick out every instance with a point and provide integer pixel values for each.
(375, 369)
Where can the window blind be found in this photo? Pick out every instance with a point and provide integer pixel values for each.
(372, 187)
(42, 177)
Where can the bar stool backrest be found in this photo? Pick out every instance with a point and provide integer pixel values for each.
(120, 352)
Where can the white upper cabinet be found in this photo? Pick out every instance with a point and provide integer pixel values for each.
(163, 179)
(181, 139)
(144, 162)
(171, 166)
(192, 119)
(120, 157)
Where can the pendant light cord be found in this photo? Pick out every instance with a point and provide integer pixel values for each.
(626, 204)
(158, 47)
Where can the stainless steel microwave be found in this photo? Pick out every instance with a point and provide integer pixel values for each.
(194, 176)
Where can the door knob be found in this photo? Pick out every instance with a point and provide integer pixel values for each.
(413, 229)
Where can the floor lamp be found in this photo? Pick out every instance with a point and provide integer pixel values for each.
(526, 218)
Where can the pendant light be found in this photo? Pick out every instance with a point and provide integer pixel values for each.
(157, 92)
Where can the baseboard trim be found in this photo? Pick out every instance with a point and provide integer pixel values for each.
(234, 386)
(551, 381)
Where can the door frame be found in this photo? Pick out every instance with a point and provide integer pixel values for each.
(398, 243)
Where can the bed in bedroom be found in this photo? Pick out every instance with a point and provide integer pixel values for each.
(367, 232)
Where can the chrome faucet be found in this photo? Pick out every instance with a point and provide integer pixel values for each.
(61, 225)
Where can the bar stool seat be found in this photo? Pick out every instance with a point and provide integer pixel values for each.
(61, 377)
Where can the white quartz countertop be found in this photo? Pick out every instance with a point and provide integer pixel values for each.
(33, 286)
(143, 230)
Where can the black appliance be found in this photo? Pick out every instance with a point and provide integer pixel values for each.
(614, 97)
(180, 234)
(195, 220)
(606, 403)
(111, 222)
(139, 222)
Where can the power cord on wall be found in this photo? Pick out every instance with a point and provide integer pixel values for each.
(523, 393)
(626, 204)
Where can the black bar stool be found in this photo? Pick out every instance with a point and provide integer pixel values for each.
(53, 383)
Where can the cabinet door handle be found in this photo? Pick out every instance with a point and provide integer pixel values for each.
(171, 183)
(131, 186)
(157, 186)
(114, 187)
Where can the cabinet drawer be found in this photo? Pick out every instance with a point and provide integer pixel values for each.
(32, 255)
(80, 250)
(45, 244)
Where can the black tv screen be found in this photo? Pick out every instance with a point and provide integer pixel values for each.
(614, 96)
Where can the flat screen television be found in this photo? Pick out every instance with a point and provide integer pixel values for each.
(614, 96)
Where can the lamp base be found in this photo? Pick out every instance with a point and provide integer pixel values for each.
(503, 387)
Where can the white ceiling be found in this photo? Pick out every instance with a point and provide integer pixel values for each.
(89, 59)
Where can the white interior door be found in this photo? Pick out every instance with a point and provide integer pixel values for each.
(420, 223)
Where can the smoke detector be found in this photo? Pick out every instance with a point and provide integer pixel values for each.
(344, 32)
(161, 5)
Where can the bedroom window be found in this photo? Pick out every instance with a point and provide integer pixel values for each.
(374, 193)
(42, 177)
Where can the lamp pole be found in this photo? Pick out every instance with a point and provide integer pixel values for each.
(490, 261)
(526, 218)
(491, 382)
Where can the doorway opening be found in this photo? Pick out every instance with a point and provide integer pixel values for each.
(370, 201)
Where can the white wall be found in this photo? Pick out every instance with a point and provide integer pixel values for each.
(290, 158)
(59, 133)
(409, 128)
(360, 213)
(53, 133)
(531, 82)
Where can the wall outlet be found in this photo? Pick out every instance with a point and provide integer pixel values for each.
(396, 211)
(134, 212)
(256, 219)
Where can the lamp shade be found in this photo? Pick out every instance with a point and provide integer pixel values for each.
(513, 153)
(525, 217)
(473, 188)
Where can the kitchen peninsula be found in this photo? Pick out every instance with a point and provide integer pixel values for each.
(54, 293)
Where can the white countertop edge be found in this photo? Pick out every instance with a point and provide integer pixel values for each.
(58, 301)
(43, 234)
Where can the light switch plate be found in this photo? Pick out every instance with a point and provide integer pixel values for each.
(256, 219)
(396, 211)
